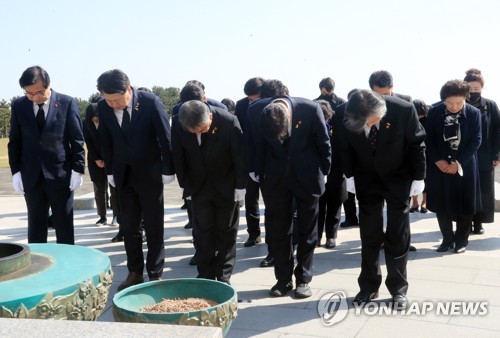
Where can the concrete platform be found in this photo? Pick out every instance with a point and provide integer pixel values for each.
(437, 278)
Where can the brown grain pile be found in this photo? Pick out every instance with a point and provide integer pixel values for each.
(179, 305)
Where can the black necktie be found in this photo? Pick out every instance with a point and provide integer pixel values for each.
(125, 119)
(40, 117)
(372, 137)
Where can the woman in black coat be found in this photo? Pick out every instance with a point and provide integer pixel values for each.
(96, 167)
(453, 138)
(488, 154)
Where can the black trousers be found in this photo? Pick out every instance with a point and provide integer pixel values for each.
(215, 227)
(279, 228)
(141, 201)
(350, 209)
(461, 236)
(60, 201)
(396, 239)
(101, 196)
(329, 216)
(252, 211)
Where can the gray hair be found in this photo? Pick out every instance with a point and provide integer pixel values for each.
(362, 105)
(194, 114)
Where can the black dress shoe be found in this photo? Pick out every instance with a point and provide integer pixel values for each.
(252, 241)
(318, 243)
(132, 279)
(330, 243)
(281, 288)
(101, 221)
(152, 279)
(412, 248)
(364, 297)
(478, 229)
(194, 261)
(303, 290)
(424, 210)
(184, 206)
(188, 225)
(459, 249)
(267, 262)
(348, 223)
(399, 302)
(413, 210)
(117, 238)
(223, 280)
(444, 247)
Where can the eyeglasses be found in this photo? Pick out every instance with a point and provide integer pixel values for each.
(38, 93)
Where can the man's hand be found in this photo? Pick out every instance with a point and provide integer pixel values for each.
(99, 163)
(496, 164)
(111, 181)
(239, 195)
(417, 187)
(442, 165)
(75, 181)
(452, 168)
(350, 185)
(167, 179)
(17, 183)
(254, 177)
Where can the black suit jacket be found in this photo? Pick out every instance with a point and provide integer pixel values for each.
(308, 158)
(400, 154)
(94, 153)
(56, 151)
(219, 162)
(144, 146)
(406, 98)
(241, 112)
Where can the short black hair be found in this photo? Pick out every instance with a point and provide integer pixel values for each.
(381, 78)
(196, 82)
(113, 81)
(193, 114)
(231, 106)
(272, 88)
(473, 75)
(144, 89)
(253, 86)
(327, 83)
(191, 92)
(360, 106)
(455, 88)
(352, 91)
(326, 107)
(34, 74)
(421, 107)
(274, 121)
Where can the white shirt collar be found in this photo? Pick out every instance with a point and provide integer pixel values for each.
(367, 129)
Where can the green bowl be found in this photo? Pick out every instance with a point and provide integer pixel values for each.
(128, 302)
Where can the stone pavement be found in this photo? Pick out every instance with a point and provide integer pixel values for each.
(473, 276)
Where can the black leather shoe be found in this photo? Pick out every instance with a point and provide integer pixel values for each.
(303, 290)
(188, 225)
(132, 279)
(281, 288)
(194, 261)
(117, 238)
(424, 210)
(478, 229)
(413, 210)
(348, 223)
(412, 248)
(330, 243)
(152, 279)
(267, 262)
(223, 280)
(252, 241)
(364, 297)
(399, 302)
(101, 221)
(444, 247)
(459, 249)
(184, 206)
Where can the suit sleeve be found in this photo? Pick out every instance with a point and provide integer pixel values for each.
(178, 154)
(163, 132)
(322, 140)
(495, 132)
(74, 125)
(91, 147)
(250, 140)
(470, 148)
(347, 155)
(238, 155)
(15, 143)
(431, 142)
(106, 144)
(415, 137)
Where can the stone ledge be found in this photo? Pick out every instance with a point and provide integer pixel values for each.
(84, 202)
(69, 328)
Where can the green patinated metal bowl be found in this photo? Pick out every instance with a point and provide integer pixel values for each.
(127, 303)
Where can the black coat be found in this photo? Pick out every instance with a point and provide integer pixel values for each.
(489, 150)
(144, 146)
(91, 135)
(454, 194)
(400, 153)
(334, 100)
(219, 162)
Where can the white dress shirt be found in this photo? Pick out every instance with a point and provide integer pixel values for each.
(367, 129)
(119, 113)
(45, 107)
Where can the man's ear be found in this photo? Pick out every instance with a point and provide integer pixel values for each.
(211, 117)
(204, 99)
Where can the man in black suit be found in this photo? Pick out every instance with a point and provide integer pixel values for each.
(293, 158)
(212, 102)
(381, 83)
(46, 155)
(327, 88)
(383, 158)
(135, 138)
(252, 211)
(209, 157)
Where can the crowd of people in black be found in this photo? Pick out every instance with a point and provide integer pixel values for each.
(305, 157)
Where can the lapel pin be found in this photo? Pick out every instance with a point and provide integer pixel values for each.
(56, 105)
(137, 106)
(214, 130)
(298, 124)
(387, 125)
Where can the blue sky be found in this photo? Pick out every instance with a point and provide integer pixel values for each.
(223, 43)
